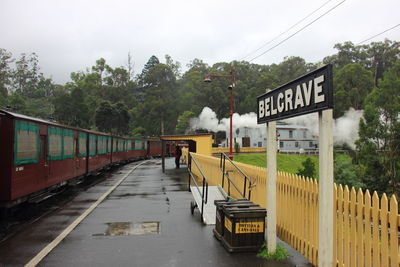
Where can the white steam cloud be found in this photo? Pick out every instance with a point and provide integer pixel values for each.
(345, 128)
(208, 120)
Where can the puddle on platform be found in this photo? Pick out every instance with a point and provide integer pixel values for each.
(130, 228)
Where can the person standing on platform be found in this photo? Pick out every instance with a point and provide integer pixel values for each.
(178, 154)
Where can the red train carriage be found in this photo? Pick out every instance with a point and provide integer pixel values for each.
(99, 151)
(139, 148)
(119, 153)
(154, 147)
(36, 155)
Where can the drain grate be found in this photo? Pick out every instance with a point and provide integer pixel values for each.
(130, 228)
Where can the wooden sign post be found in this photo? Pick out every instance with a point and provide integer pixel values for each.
(310, 93)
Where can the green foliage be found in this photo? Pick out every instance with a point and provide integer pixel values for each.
(345, 172)
(5, 72)
(112, 118)
(184, 121)
(17, 103)
(308, 168)
(139, 132)
(352, 83)
(159, 113)
(105, 117)
(72, 109)
(280, 253)
(379, 134)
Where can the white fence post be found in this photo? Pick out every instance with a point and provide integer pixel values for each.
(325, 197)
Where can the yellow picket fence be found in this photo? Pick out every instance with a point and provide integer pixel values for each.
(366, 228)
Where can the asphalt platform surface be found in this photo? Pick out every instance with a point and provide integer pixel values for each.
(145, 221)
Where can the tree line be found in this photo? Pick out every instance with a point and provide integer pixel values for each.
(162, 98)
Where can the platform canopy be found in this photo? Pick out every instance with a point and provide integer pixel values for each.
(198, 143)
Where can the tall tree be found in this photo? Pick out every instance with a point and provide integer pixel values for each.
(159, 99)
(71, 109)
(151, 63)
(348, 53)
(122, 119)
(5, 73)
(26, 75)
(379, 142)
(105, 117)
(352, 83)
(382, 55)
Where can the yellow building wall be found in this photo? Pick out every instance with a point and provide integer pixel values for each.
(203, 145)
(203, 142)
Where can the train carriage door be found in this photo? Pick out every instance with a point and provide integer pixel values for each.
(43, 161)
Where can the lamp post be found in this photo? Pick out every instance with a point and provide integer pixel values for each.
(231, 77)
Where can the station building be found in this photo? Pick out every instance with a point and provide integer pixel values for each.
(290, 138)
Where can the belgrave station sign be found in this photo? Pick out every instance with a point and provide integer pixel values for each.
(309, 93)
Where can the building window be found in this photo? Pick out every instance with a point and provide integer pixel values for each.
(259, 144)
(296, 144)
(280, 144)
(290, 134)
(311, 144)
(305, 134)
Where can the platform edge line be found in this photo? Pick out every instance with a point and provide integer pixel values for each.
(45, 251)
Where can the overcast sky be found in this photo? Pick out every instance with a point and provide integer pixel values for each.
(70, 35)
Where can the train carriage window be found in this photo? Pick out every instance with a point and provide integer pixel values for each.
(101, 145)
(138, 144)
(120, 145)
(109, 140)
(92, 144)
(82, 145)
(55, 143)
(26, 142)
(68, 144)
(133, 144)
(129, 145)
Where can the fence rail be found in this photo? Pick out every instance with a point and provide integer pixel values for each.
(366, 227)
(218, 150)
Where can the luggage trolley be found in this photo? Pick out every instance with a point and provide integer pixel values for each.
(203, 194)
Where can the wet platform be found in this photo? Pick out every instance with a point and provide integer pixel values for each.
(145, 221)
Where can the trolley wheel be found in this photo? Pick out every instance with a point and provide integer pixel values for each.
(193, 205)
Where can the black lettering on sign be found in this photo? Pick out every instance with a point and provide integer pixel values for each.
(309, 93)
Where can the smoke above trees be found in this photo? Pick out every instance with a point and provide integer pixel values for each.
(345, 127)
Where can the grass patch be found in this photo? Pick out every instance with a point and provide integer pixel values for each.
(280, 253)
(286, 162)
